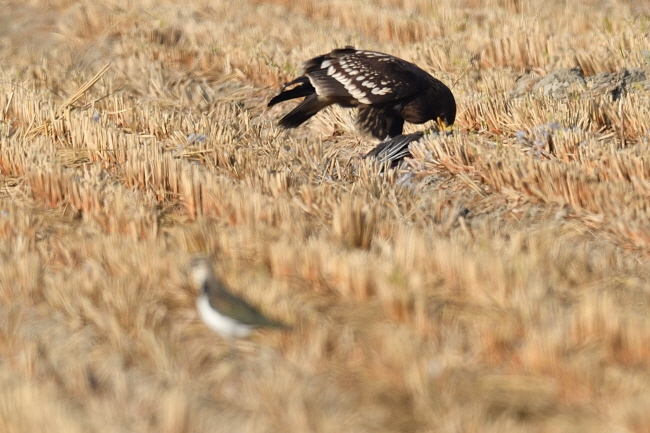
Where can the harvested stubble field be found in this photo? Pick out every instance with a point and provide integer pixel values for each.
(499, 282)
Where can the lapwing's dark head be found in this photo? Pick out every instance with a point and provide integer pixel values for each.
(201, 270)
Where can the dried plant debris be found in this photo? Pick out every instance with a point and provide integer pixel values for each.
(572, 82)
(619, 83)
(561, 83)
(540, 139)
(494, 280)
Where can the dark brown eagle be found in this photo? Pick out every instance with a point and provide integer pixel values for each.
(387, 91)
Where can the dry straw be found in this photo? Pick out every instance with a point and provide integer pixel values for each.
(497, 281)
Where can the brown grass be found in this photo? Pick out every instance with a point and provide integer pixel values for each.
(498, 283)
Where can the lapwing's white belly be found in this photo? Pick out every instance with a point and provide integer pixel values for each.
(220, 323)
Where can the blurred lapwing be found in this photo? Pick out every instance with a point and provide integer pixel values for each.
(223, 312)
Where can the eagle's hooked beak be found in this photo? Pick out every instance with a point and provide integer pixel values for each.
(443, 126)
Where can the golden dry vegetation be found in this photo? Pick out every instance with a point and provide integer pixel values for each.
(499, 282)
